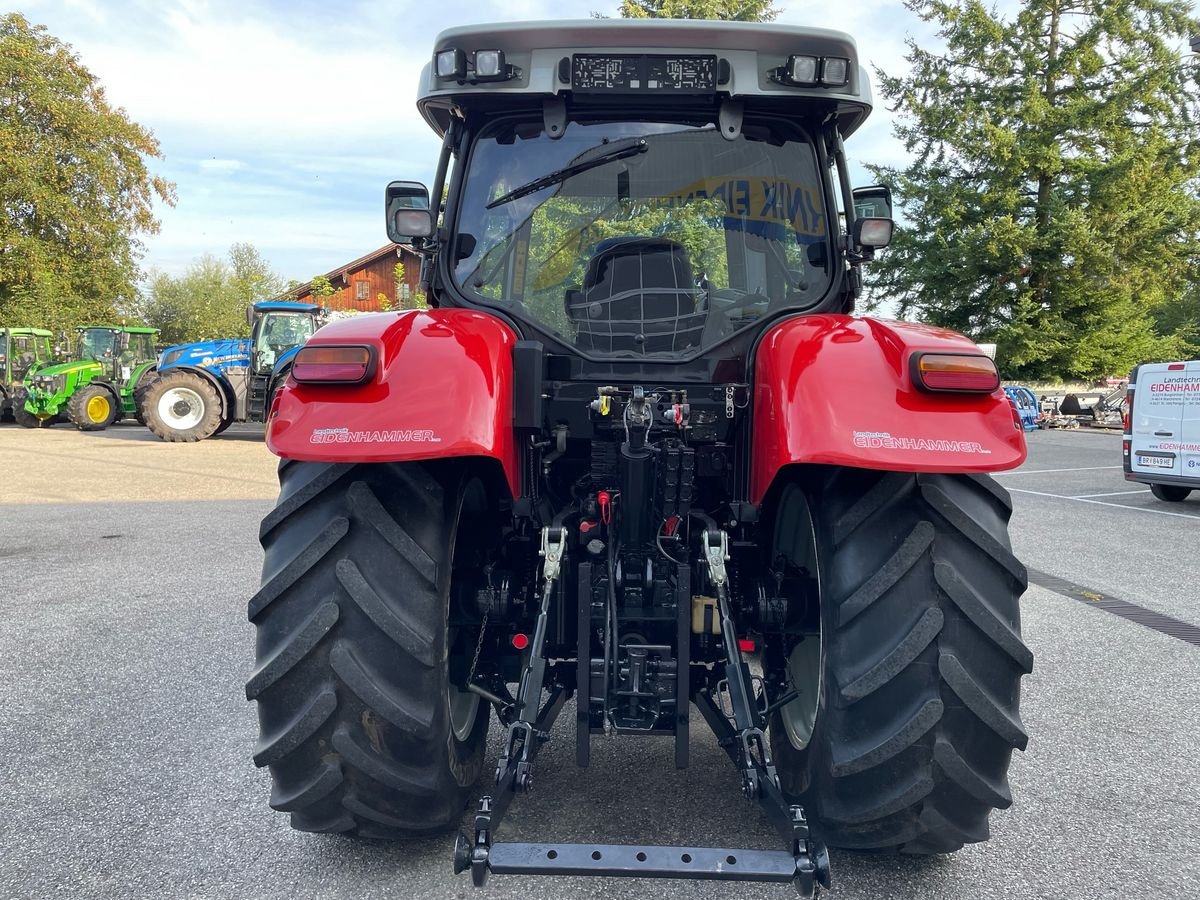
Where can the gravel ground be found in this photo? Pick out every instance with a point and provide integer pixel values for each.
(127, 736)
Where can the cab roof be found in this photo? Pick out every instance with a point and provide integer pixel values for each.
(285, 306)
(131, 329)
(751, 54)
(36, 332)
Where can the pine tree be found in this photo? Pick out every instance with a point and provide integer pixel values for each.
(725, 10)
(1050, 205)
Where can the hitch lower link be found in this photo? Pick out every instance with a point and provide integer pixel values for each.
(805, 863)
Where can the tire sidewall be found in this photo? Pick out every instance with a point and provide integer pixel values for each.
(466, 757)
(798, 768)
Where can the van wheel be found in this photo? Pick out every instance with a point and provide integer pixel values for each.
(1172, 493)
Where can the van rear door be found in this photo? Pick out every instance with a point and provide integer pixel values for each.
(1156, 433)
(1190, 432)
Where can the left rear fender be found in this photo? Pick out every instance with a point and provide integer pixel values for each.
(442, 388)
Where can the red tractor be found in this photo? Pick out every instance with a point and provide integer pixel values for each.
(638, 453)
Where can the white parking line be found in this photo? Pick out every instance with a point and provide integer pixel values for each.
(1157, 512)
(1047, 471)
(1110, 494)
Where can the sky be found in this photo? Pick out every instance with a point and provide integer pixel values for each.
(281, 121)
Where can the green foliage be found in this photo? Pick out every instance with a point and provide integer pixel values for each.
(209, 300)
(384, 303)
(74, 191)
(321, 286)
(1051, 202)
(724, 10)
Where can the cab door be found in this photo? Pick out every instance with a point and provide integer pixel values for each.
(1157, 426)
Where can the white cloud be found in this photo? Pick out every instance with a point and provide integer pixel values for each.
(282, 120)
(221, 166)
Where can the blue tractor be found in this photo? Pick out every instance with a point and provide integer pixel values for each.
(204, 388)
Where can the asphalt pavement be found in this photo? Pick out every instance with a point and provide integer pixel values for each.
(127, 739)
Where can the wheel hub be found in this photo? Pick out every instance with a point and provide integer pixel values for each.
(98, 409)
(181, 408)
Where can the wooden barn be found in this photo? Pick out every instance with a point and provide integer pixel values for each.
(368, 284)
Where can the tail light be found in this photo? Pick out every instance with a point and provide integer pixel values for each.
(966, 373)
(324, 364)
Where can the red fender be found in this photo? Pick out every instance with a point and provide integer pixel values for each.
(442, 388)
(836, 390)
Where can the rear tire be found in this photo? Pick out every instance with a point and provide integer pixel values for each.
(93, 408)
(181, 407)
(920, 664)
(1171, 493)
(358, 716)
(139, 395)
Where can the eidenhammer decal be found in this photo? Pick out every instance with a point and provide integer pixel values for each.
(397, 436)
(884, 440)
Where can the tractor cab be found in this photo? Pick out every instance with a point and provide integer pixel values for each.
(118, 350)
(276, 331)
(21, 351)
(651, 205)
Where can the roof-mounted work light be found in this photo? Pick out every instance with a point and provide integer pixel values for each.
(835, 71)
(810, 71)
(801, 70)
(451, 63)
(489, 64)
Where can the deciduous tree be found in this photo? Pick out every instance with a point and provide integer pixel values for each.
(209, 300)
(75, 191)
(1050, 205)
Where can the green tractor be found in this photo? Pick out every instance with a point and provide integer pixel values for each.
(111, 365)
(22, 350)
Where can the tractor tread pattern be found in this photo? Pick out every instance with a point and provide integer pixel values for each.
(301, 728)
(900, 657)
(368, 687)
(900, 737)
(299, 566)
(292, 650)
(326, 779)
(396, 623)
(906, 556)
(968, 778)
(975, 697)
(981, 613)
(322, 478)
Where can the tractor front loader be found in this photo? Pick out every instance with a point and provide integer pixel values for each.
(638, 454)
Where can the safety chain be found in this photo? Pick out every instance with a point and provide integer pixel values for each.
(478, 648)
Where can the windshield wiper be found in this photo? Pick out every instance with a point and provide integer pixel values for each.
(560, 175)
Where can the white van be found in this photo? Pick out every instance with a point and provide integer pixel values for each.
(1162, 428)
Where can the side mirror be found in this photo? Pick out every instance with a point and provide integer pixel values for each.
(875, 233)
(123, 341)
(407, 211)
(250, 314)
(873, 202)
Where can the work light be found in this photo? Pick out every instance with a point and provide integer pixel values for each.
(489, 64)
(451, 63)
(802, 69)
(835, 71)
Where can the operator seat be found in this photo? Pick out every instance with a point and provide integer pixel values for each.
(639, 297)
